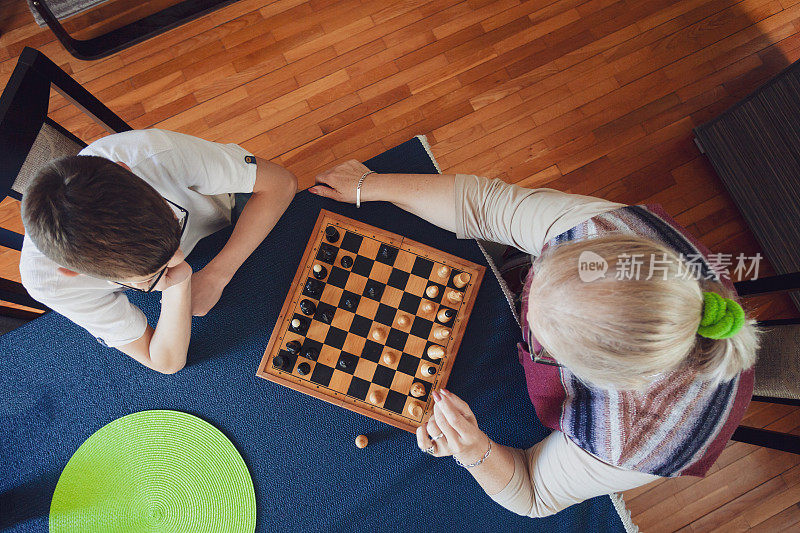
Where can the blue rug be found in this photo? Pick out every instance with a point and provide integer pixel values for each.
(58, 386)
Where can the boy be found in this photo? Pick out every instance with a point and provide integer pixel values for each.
(124, 213)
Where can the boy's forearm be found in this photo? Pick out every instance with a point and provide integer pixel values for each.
(259, 216)
(170, 341)
(273, 192)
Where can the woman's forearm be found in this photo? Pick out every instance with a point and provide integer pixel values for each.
(429, 196)
(494, 474)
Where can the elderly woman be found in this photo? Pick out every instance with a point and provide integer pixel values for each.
(640, 376)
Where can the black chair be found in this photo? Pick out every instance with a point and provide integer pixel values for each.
(777, 372)
(755, 151)
(130, 34)
(29, 139)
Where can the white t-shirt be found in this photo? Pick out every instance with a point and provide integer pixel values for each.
(198, 175)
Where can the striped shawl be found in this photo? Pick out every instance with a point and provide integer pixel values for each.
(680, 424)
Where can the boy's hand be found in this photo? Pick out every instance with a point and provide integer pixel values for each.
(207, 286)
(178, 271)
(174, 276)
(340, 182)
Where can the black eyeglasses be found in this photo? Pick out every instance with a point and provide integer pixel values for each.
(184, 216)
(540, 355)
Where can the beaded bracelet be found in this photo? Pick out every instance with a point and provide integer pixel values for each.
(479, 461)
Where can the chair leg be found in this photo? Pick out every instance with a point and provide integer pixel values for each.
(779, 283)
(768, 439)
(10, 239)
(47, 75)
(130, 34)
(55, 26)
(20, 314)
(771, 399)
(11, 291)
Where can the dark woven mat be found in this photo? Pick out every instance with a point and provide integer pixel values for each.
(58, 386)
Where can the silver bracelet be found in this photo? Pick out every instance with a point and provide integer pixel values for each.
(358, 187)
(479, 461)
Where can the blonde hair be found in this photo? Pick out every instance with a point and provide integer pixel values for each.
(622, 333)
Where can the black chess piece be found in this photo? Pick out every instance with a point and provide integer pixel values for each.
(303, 369)
(293, 347)
(332, 234)
(308, 307)
(431, 370)
(347, 261)
(347, 361)
(312, 289)
(371, 292)
(280, 362)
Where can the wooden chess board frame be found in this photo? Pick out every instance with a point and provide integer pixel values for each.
(291, 306)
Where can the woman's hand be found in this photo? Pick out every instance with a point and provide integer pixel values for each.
(452, 430)
(340, 182)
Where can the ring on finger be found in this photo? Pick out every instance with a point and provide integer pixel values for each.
(437, 437)
(430, 449)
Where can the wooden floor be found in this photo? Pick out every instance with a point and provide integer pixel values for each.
(588, 96)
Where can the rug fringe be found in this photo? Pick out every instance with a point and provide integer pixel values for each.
(424, 140)
(624, 514)
(503, 285)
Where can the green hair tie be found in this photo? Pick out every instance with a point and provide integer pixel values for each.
(722, 317)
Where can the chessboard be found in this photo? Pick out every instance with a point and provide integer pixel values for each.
(372, 321)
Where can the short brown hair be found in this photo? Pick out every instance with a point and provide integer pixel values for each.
(94, 216)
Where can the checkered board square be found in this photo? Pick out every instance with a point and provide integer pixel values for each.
(372, 321)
